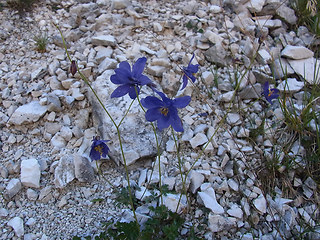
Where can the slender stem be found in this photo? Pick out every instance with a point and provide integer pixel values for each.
(126, 113)
(117, 128)
(158, 151)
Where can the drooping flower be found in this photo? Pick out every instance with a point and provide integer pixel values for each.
(129, 81)
(98, 149)
(270, 93)
(188, 73)
(165, 110)
(73, 67)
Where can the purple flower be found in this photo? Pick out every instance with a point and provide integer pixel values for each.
(188, 73)
(270, 93)
(129, 80)
(165, 110)
(73, 67)
(98, 149)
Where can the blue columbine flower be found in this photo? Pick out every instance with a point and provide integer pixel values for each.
(165, 110)
(129, 80)
(98, 149)
(188, 73)
(270, 93)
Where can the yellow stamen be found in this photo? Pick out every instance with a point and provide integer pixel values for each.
(164, 111)
(98, 149)
(270, 92)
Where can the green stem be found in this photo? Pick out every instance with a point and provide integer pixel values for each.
(158, 151)
(116, 126)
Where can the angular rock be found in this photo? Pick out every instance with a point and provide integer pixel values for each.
(217, 55)
(120, 4)
(287, 14)
(171, 201)
(235, 211)
(104, 40)
(296, 52)
(28, 113)
(281, 68)
(198, 139)
(138, 139)
(233, 118)
(32, 195)
(197, 180)
(307, 68)
(17, 224)
(260, 204)
(12, 188)
(218, 223)
(251, 91)
(209, 200)
(83, 169)
(255, 6)
(64, 172)
(30, 173)
(290, 85)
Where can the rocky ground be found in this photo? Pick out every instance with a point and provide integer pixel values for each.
(48, 117)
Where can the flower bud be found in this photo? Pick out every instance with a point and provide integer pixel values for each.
(73, 67)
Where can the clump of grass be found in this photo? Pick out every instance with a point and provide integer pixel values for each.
(308, 13)
(41, 42)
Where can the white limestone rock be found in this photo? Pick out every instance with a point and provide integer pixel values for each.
(64, 172)
(255, 6)
(196, 179)
(233, 119)
(226, 97)
(3, 212)
(32, 194)
(83, 169)
(307, 68)
(290, 85)
(287, 14)
(28, 113)
(120, 4)
(209, 200)
(260, 204)
(30, 173)
(296, 52)
(235, 211)
(171, 202)
(104, 40)
(138, 139)
(218, 223)
(233, 185)
(17, 224)
(198, 139)
(12, 188)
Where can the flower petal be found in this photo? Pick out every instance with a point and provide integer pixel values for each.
(94, 155)
(144, 80)
(121, 91)
(153, 114)
(151, 102)
(121, 77)
(133, 92)
(125, 66)
(167, 101)
(181, 102)
(163, 121)
(138, 66)
(185, 81)
(266, 89)
(175, 120)
(193, 68)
